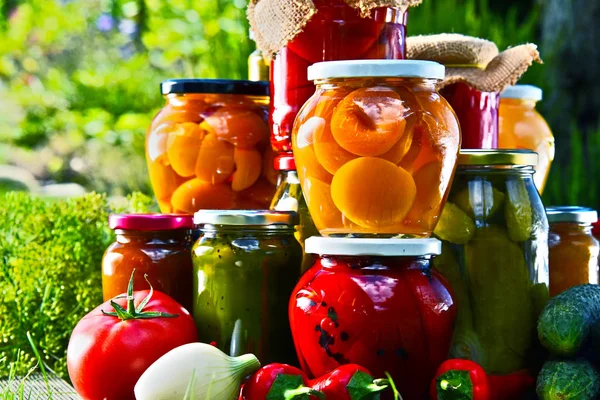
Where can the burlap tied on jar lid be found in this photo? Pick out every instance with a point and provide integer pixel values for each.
(476, 62)
(276, 22)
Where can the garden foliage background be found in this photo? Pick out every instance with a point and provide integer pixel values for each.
(79, 78)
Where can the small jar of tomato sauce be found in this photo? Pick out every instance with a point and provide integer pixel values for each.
(336, 32)
(573, 249)
(376, 303)
(157, 245)
(522, 127)
(208, 148)
(376, 148)
(246, 264)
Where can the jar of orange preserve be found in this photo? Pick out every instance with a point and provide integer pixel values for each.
(159, 245)
(573, 250)
(208, 148)
(522, 127)
(376, 147)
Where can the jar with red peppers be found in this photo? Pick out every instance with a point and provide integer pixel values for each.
(208, 148)
(477, 112)
(336, 32)
(376, 303)
(158, 245)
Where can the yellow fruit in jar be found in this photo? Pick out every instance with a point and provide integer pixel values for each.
(164, 180)
(196, 194)
(430, 190)
(320, 204)
(183, 146)
(215, 162)
(240, 127)
(260, 193)
(369, 121)
(306, 160)
(373, 193)
(248, 167)
(329, 154)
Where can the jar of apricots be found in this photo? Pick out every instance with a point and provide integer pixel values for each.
(573, 249)
(376, 148)
(208, 148)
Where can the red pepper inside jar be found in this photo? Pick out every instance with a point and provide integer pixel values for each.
(477, 112)
(159, 245)
(336, 32)
(376, 303)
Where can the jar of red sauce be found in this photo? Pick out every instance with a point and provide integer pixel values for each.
(376, 303)
(477, 113)
(157, 245)
(336, 32)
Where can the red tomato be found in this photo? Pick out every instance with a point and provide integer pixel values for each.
(107, 355)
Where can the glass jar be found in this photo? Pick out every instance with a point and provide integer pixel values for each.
(258, 67)
(522, 127)
(376, 148)
(158, 245)
(477, 112)
(596, 230)
(208, 148)
(288, 197)
(336, 32)
(376, 303)
(495, 256)
(573, 250)
(246, 264)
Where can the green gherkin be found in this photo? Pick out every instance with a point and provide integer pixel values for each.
(454, 225)
(503, 309)
(518, 212)
(480, 200)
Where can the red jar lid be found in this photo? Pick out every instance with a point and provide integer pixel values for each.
(150, 222)
(285, 162)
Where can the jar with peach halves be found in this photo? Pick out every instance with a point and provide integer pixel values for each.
(208, 148)
(376, 148)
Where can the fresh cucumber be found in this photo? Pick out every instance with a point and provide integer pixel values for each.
(567, 319)
(563, 380)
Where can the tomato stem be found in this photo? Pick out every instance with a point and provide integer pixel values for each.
(133, 312)
(397, 395)
(291, 394)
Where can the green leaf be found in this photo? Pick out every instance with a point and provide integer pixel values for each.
(454, 385)
(362, 387)
(288, 387)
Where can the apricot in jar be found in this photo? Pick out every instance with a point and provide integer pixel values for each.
(369, 121)
(372, 192)
(215, 162)
(183, 146)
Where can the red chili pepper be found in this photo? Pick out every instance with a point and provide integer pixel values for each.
(512, 386)
(349, 382)
(278, 382)
(460, 379)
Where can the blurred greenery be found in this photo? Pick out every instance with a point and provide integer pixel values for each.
(79, 79)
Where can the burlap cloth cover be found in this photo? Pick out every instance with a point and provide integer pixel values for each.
(276, 22)
(476, 62)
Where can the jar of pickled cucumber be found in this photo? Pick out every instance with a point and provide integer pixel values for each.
(246, 264)
(573, 249)
(376, 148)
(495, 256)
(288, 197)
(522, 127)
(208, 148)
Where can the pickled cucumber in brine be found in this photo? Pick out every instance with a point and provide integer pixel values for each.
(501, 301)
(480, 200)
(518, 212)
(454, 226)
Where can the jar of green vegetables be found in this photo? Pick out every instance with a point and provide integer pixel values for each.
(495, 256)
(246, 264)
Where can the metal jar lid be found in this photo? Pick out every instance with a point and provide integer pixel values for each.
(522, 92)
(583, 215)
(214, 86)
(246, 217)
(484, 157)
(376, 68)
(372, 247)
(150, 222)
